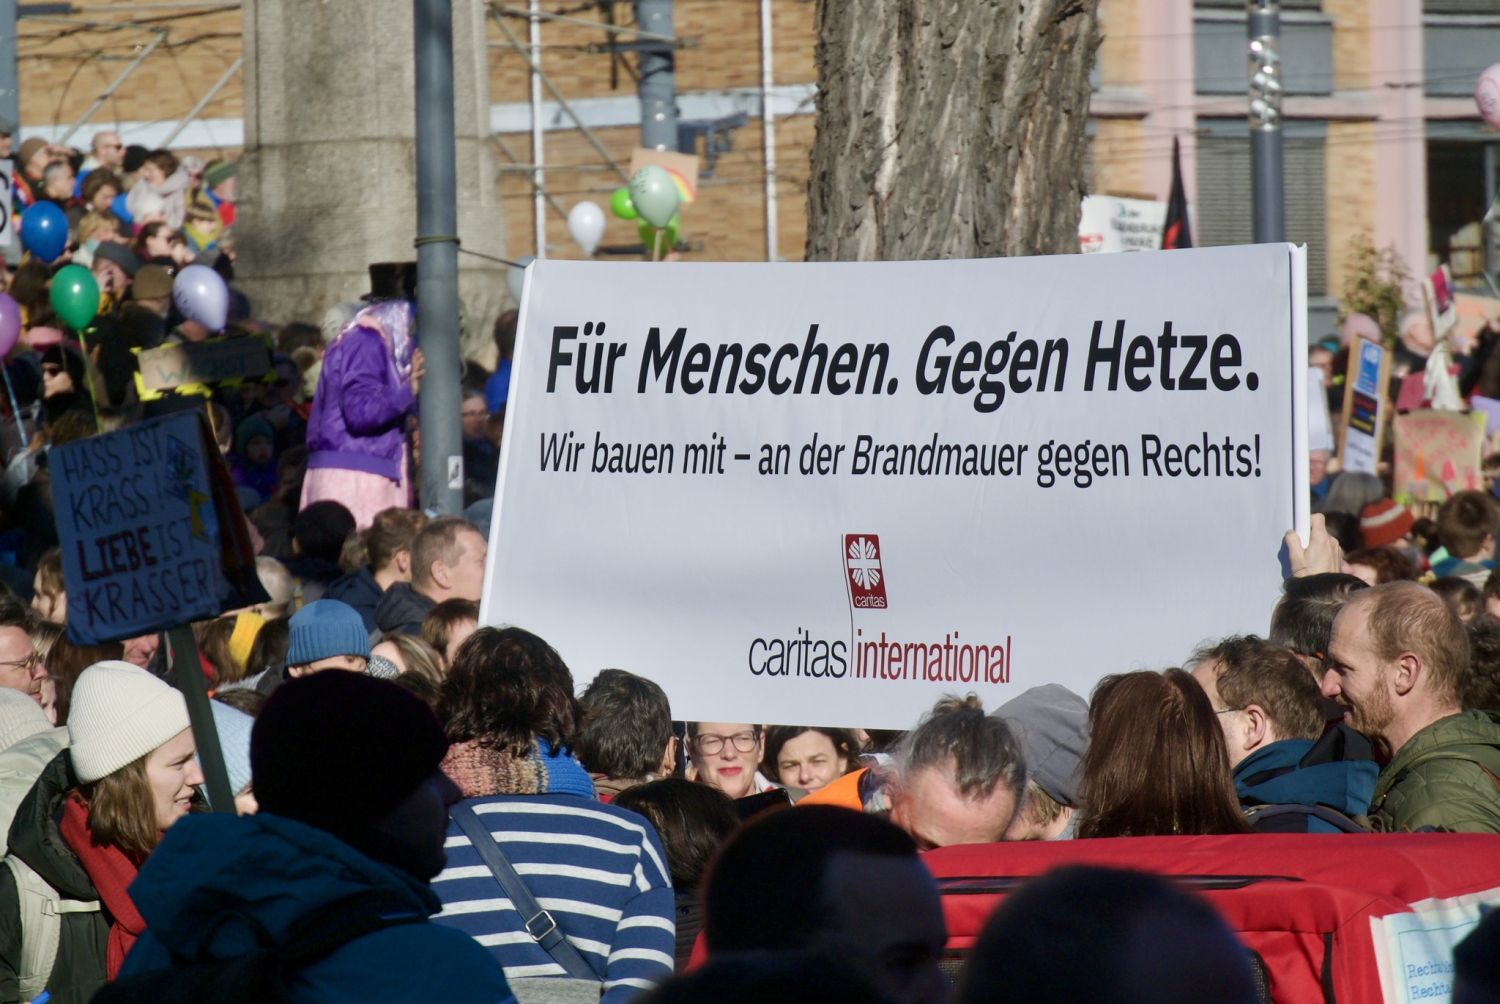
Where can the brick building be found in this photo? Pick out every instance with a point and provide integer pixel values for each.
(1382, 137)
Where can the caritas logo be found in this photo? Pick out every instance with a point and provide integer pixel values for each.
(866, 577)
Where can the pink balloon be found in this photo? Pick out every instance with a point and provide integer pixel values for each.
(1487, 95)
(10, 322)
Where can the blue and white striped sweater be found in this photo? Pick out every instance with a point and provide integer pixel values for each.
(599, 870)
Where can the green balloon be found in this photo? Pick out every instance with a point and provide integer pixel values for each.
(74, 296)
(620, 204)
(669, 234)
(654, 195)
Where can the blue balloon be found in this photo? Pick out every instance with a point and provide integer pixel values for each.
(44, 231)
(117, 206)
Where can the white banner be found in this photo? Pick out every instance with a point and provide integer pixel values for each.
(831, 493)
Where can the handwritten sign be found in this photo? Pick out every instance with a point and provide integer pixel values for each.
(1437, 454)
(204, 362)
(1112, 223)
(150, 529)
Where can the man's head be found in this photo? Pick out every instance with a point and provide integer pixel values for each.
(107, 149)
(1397, 661)
(389, 542)
(825, 879)
(20, 669)
(358, 758)
(1260, 692)
(1052, 724)
(326, 634)
(1093, 934)
(627, 727)
(57, 180)
(1303, 618)
(959, 776)
(115, 265)
(448, 560)
(1467, 523)
(472, 414)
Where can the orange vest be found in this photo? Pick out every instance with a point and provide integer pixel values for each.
(843, 791)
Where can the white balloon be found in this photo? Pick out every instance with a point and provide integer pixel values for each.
(586, 225)
(515, 276)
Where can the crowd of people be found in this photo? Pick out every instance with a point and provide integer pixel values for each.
(427, 808)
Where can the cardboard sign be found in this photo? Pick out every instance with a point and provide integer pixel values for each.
(1110, 223)
(1438, 453)
(683, 167)
(785, 498)
(151, 531)
(213, 361)
(1363, 423)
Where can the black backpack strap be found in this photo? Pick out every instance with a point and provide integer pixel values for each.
(1257, 814)
(538, 922)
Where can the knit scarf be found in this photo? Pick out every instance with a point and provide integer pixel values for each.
(111, 870)
(479, 771)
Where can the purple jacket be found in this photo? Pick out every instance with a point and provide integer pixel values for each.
(358, 420)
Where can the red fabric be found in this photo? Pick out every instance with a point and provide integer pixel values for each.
(1310, 886)
(111, 870)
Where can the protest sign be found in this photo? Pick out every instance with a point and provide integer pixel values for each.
(1363, 425)
(1438, 453)
(213, 361)
(1437, 296)
(1112, 223)
(833, 492)
(150, 529)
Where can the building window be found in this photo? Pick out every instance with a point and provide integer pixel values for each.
(1225, 208)
(1490, 7)
(1461, 179)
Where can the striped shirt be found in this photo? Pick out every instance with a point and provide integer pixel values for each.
(599, 870)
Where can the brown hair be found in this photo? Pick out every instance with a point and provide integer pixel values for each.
(66, 660)
(1461, 595)
(213, 642)
(1155, 763)
(122, 810)
(1465, 520)
(1406, 617)
(777, 736)
(507, 687)
(392, 530)
(164, 159)
(437, 541)
(1390, 565)
(49, 573)
(1253, 671)
(438, 625)
(97, 179)
(420, 657)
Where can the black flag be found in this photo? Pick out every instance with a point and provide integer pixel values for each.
(1176, 233)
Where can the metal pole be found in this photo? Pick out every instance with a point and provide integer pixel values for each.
(1264, 27)
(114, 85)
(767, 128)
(10, 87)
(538, 175)
(437, 258)
(202, 102)
(658, 84)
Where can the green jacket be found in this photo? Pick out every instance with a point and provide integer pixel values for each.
(1446, 777)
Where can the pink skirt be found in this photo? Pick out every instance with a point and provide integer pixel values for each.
(362, 493)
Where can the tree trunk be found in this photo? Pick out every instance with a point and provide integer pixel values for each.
(949, 128)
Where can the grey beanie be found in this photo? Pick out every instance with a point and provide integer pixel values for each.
(1053, 724)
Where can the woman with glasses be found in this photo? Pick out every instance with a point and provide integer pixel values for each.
(597, 872)
(727, 756)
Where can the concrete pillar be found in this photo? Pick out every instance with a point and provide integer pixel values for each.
(327, 183)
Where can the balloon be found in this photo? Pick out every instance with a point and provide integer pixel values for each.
(654, 195)
(44, 231)
(515, 276)
(669, 234)
(200, 295)
(10, 322)
(586, 225)
(74, 295)
(620, 204)
(120, 209)
(1487, 95)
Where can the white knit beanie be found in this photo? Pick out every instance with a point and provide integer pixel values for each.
(20, 717)
(120, 713)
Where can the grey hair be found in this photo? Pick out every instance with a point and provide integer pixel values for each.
(984, 749)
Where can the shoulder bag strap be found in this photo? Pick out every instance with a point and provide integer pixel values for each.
(539, 923)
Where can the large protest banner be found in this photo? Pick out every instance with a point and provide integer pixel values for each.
(833, 492)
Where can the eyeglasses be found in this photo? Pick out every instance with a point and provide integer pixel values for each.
(1226, 711)
(708, 744)
(29, 663)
